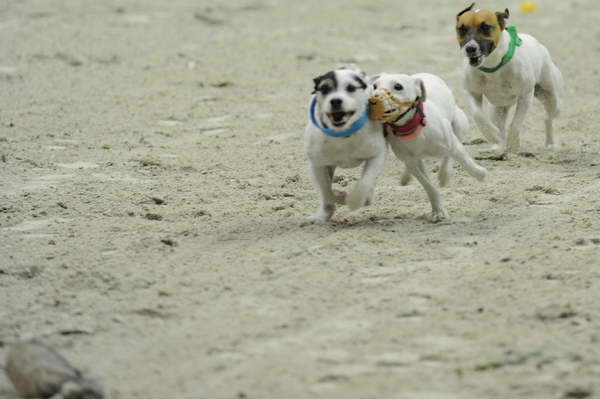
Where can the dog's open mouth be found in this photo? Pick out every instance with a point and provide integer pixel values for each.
(475, 61)
(339, 118)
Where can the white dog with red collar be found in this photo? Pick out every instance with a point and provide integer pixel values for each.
(429, 126)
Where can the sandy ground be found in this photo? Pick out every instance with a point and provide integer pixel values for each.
(153, 189)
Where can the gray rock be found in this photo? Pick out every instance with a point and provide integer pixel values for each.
(37, 370)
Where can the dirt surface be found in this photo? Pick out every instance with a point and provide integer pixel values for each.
(153, 190)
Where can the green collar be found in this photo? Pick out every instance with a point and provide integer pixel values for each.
(515, 41)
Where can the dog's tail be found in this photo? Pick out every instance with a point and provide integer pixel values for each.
(560, 87)
(460, 124)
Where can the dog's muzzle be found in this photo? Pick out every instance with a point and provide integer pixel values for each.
(476, 61)
(474, 55)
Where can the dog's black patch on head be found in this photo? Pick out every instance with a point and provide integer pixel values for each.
(465, 10)
(462, 30)
(360, 81)
(466, 37)
(327, 76)
(485, 29)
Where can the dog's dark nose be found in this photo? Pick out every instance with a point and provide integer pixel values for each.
(471, 50)
(336, 103)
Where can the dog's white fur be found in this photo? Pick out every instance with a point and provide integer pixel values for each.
(530, 73)
(365, 147)
(440, 138)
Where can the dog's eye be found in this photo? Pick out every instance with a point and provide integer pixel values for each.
(325, 90)
(485, 28)
(375, 86)
(462, 30)
(350, 89)
(398, 87)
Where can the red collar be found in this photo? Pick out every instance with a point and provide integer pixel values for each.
(410, 129)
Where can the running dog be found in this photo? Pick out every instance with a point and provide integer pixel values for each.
(424, 122)
(506, 68)
(339, 133)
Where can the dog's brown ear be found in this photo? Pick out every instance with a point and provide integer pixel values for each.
(502, 16)
(464, 11)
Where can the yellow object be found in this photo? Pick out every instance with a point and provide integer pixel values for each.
(528, 6)
(386, 108)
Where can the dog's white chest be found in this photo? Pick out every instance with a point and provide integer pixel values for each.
(503, 88)
(501, 92)
(347, 152)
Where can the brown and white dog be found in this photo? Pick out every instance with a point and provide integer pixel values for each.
(490, 71)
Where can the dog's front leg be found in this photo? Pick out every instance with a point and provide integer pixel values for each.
(513, 140)
(362, 192)
(487, 128)
(417, 169)
(322, 178)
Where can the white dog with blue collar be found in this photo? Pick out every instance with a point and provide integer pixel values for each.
(339, 133)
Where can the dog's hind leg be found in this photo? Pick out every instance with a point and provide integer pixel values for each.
(459, 153)
(460, 123)
(417, 169)
(547, 92)
(550, 104)
(406, 177)
(445, 171)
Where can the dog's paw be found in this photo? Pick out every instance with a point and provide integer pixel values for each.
(438, 215)
(358, 197)
(339, 197)
(550, 146)
(323, 215)
(369, 199)
(406, 178)
(513, 145)
(479, 172)
(317, 218)
(498, 147)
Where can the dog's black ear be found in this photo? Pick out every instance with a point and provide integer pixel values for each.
(359, 79)
(502, 16)
(423, 95)
(316, 82)
(464, 11)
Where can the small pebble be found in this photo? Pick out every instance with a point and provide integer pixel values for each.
(169, 242)
(153, 216)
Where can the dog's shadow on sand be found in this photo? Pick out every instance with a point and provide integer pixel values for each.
(357, 222)
(8, 394)
(343, 222)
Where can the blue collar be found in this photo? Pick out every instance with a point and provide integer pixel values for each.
(360, 122)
